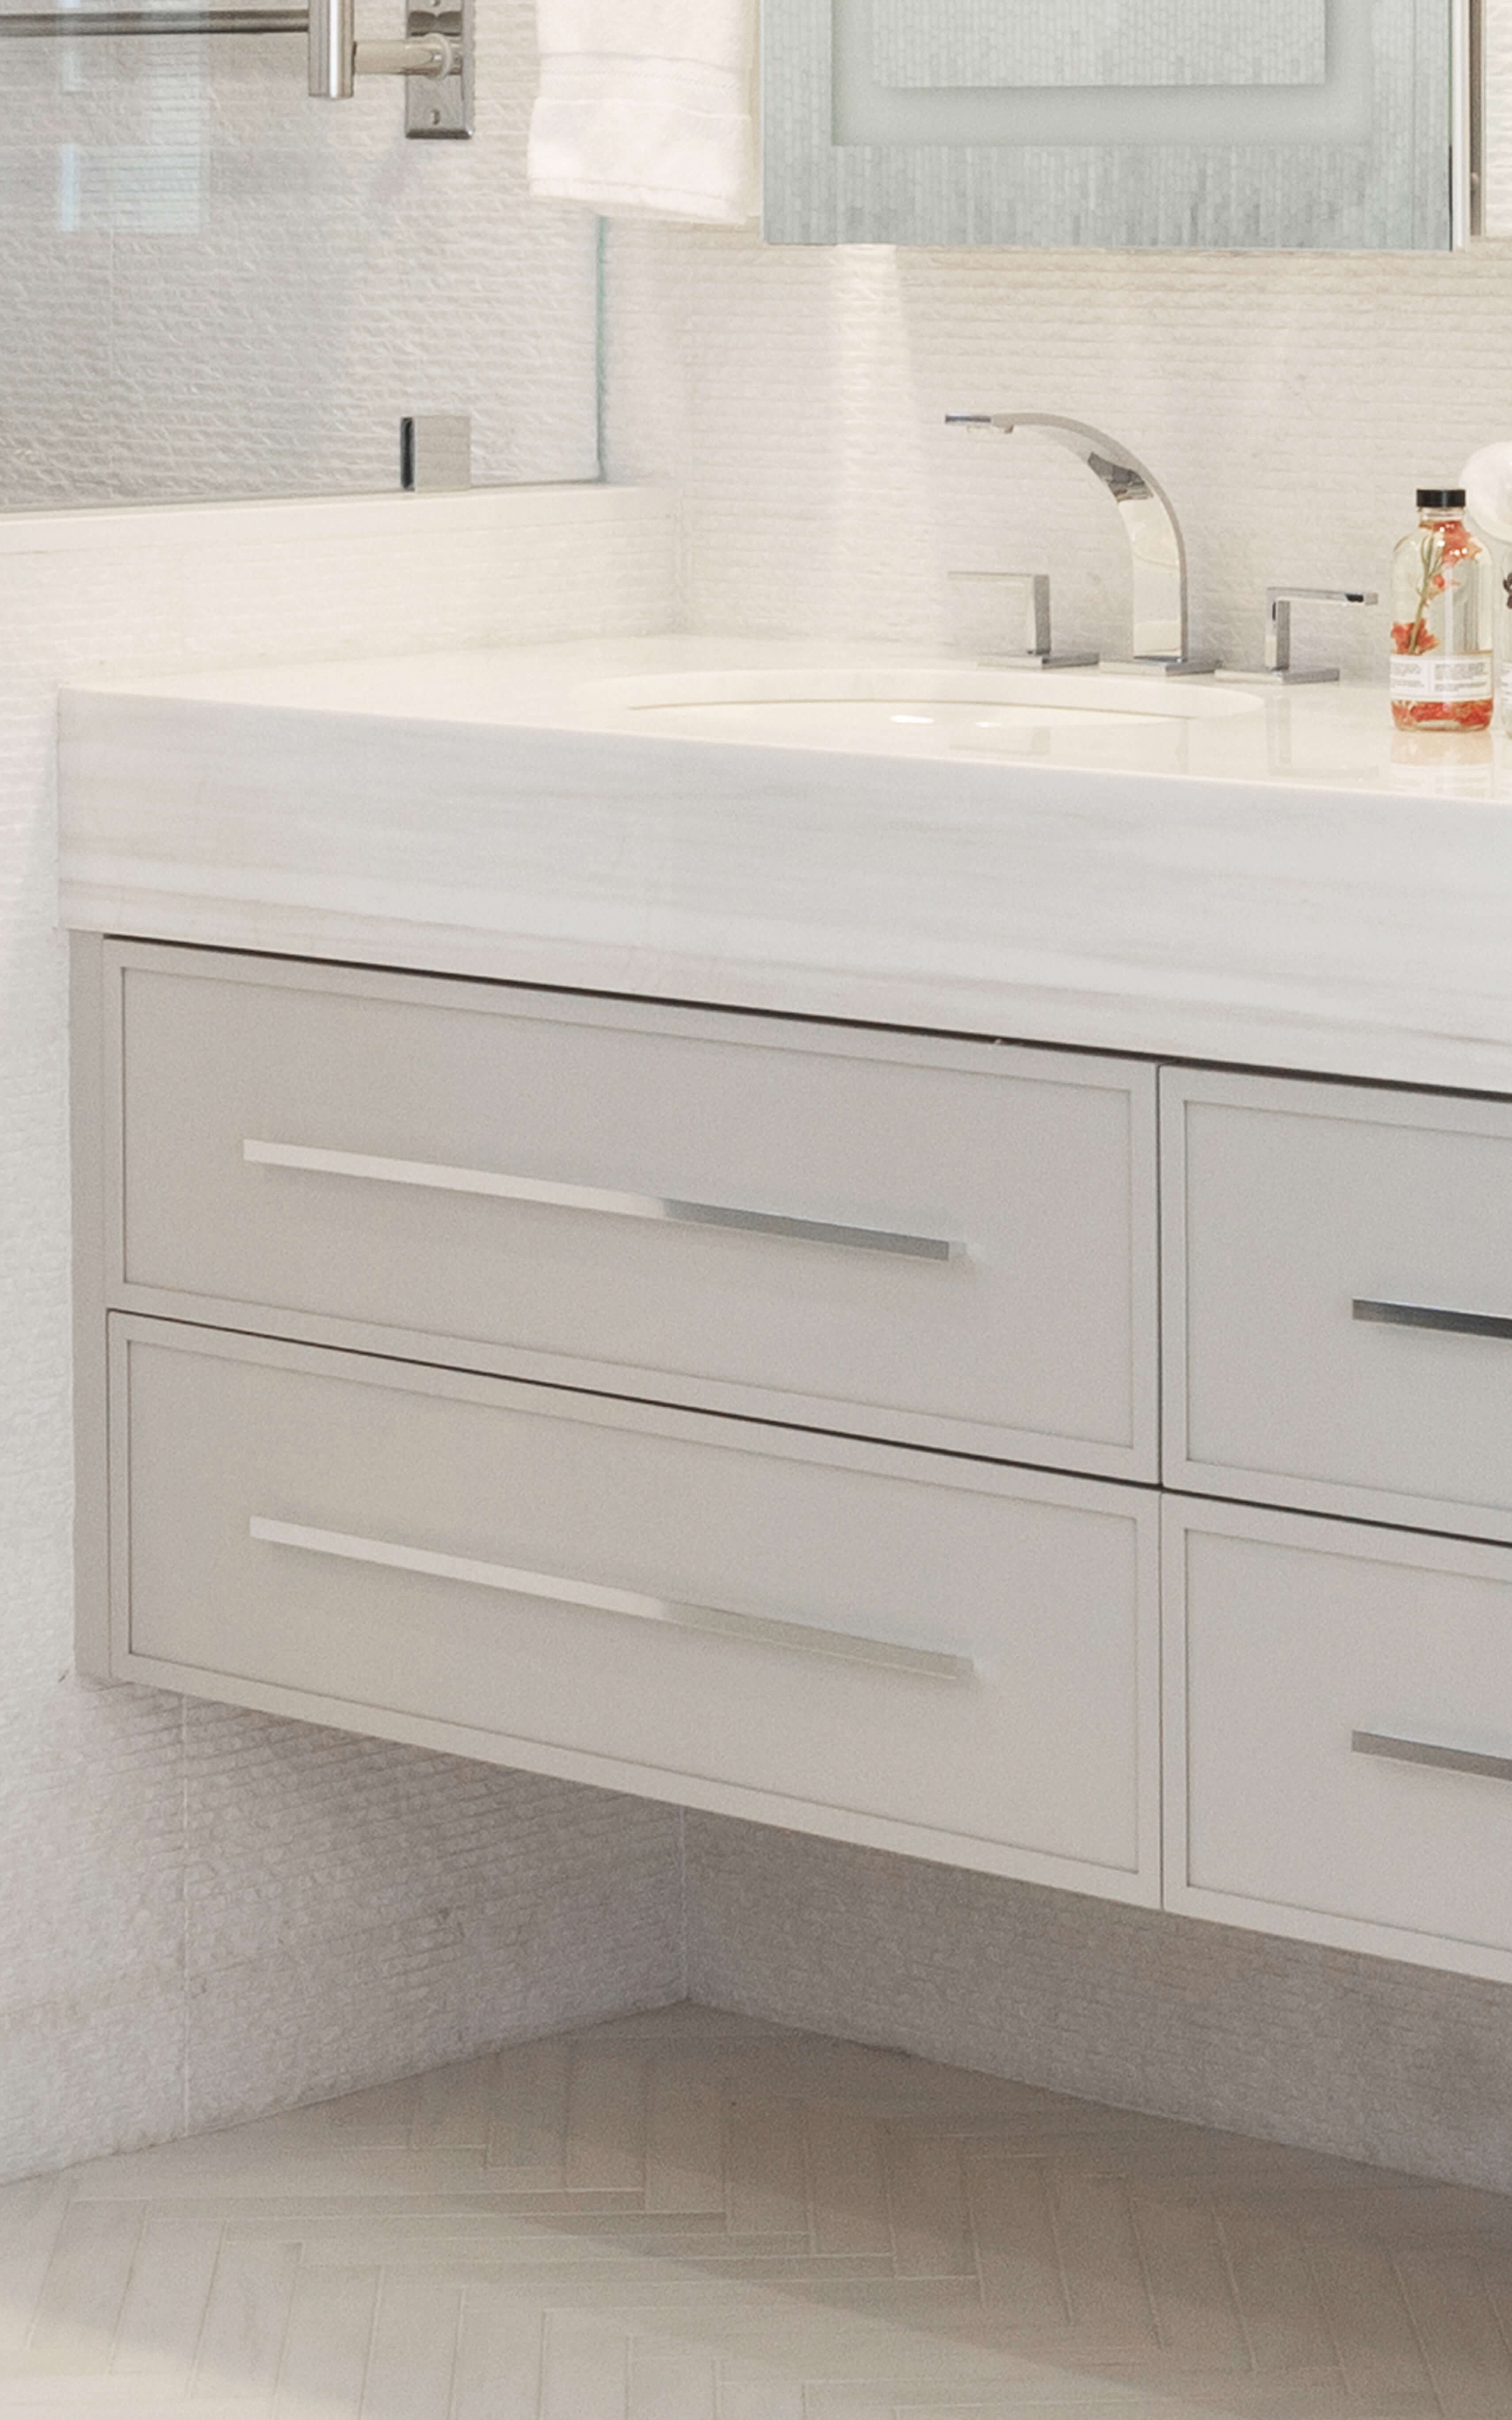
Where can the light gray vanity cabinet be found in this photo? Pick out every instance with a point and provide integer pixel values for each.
(412, 1315)
(942, 1244)
(1333, 125)
(1338, 1761)
(921, 1651)
(1335, 1299)
(761, 1414)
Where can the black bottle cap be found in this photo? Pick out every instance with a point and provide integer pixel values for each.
(1440, 499)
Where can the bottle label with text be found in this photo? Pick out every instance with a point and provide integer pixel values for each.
(1450, 680)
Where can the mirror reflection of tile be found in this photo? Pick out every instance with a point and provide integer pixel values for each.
(966, 43)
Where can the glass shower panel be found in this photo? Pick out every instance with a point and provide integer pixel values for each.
(213, 286)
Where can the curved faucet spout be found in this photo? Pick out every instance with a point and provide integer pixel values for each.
(1149, 524)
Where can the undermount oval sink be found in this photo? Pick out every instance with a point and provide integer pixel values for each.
(912, 709)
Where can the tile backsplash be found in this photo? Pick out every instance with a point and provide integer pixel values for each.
(1290, 403)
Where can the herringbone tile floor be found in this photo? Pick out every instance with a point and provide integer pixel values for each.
(689, 2216)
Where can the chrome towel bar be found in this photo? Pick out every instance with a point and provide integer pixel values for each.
(434, 55)
(67, 24)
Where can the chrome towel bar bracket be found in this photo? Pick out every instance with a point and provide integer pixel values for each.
(435, 55)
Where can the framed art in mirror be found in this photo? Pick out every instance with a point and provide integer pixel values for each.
(1322, 125)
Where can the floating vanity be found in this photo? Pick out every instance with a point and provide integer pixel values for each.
(911, 1251)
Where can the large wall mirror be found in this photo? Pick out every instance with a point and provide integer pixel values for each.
(211, 284)
(1343, 125)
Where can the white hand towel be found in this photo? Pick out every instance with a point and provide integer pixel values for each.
(646, 108)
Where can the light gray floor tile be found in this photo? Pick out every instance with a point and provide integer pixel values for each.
(685, 2217)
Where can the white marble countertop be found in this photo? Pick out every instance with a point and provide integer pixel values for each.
(1279, 880)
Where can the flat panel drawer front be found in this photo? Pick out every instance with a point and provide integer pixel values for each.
(1339, 1734)
(1339, 1299)
(949, 1243)
(927, 1652)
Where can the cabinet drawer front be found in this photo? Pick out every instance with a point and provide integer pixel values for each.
(1339, 1734)
(925, 1652)
(1339, 1299)
(951, 1243)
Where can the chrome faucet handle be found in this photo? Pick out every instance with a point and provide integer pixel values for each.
(1149, 523)
(1278, 605)
(1038, 648)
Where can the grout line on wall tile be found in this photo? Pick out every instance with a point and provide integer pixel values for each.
(683, 1976)
(183, 1916)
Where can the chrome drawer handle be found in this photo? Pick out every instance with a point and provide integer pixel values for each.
(1446, 1760)
(758, 1629)
(1418, 1314)
(593, 1197)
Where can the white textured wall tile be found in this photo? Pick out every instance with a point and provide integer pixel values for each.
(1290, 404)
(202, 1915)
(296, 1834)
(103, 2070)
(355, 1912)
(1496, 164)
(92, 1812)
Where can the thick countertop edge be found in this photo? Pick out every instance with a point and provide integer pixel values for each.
(1112, 1022)
(120, 738)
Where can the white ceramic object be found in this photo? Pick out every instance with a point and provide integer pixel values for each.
(1487, 480)
(912, 711)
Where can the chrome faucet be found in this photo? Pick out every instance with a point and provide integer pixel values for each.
(1149, 524)
(1278, 604)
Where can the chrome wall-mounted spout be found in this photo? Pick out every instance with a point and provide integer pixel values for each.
(1155, 543)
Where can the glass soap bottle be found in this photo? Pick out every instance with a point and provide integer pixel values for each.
(1442, 596)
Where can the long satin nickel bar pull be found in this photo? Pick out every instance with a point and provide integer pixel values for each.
(591, 1197)
(1444, 1760)
(758, 1629)
(1418, 1314)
